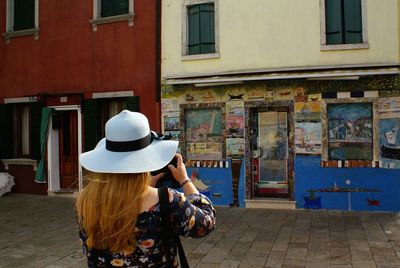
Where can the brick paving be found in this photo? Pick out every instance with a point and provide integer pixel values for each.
(39, 231)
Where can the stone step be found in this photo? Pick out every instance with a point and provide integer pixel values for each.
(63, 193)
(270, 203)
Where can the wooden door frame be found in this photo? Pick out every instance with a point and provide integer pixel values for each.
(54, 181)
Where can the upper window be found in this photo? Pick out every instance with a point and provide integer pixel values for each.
(22, 18)
(343, 24)
(106, 11)
(113, 7)
(200, 30)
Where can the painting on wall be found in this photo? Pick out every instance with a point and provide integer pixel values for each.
(389, 132)
(349, 131)
(235, 126)
(203, 134)
(171, 123)
(308, 137)
(235, 146)
(310, 110)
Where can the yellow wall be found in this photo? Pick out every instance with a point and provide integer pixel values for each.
(263, 34)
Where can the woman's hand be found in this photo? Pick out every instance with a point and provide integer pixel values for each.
(179, 172)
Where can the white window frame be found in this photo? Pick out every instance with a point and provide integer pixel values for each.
(363, 45)
(97, 19)
(185, 23)
(10, 33)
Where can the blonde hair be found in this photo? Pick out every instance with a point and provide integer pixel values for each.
(108, 207)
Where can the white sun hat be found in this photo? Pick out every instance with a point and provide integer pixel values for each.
(129, 147)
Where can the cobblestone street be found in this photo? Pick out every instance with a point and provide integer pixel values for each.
(39, 231)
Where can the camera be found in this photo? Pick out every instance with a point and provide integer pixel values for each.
(168, 179)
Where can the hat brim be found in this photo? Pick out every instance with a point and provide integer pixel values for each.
(155, 156)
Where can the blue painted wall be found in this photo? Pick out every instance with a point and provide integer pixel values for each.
(362, 184)
(219, 182)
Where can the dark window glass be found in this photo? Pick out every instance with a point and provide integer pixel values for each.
(201, 29)
(114, 7)
(24, 14)
(343, 22)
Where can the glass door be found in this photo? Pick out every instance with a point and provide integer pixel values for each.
(271, 154)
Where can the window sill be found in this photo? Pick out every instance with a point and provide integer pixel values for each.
(9, 35)
(344, 47)
(200, 56)
(19, 161)
(126, 17)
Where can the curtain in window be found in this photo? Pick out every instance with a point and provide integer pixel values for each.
(25, 130)
(24, 14)
(44, 127)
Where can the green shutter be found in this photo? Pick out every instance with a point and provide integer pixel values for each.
(193, 29)
(36, 118)
(92, 128)
(114, 7)
(133, 104)
(24, 14)
(207, 29)
(353, 21)
(333, 22)
(6, 136)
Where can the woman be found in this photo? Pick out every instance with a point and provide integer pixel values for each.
(119, 211)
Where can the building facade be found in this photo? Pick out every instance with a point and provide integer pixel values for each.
(285, 102)
(66, 68)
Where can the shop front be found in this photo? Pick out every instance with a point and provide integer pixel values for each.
(304, 143)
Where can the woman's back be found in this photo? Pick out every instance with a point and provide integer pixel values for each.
(190, 216)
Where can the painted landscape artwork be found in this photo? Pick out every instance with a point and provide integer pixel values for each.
(308, 137)
(203, 134)
(350, 131)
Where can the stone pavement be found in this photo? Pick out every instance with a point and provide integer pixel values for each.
(39, 231)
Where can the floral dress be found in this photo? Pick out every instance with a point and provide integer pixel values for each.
(192, 215)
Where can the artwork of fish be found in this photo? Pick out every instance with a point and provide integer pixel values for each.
(374, 202)
(189, 97)
(236, 97)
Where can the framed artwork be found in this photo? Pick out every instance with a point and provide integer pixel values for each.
(204, 133)
(350, 131)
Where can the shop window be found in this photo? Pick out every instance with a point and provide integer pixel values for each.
(204, 133)
(21, 130)
(107, 11)
(22, 18)
(350, 131)
(343, 24)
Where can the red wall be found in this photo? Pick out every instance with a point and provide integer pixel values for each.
(70, 58)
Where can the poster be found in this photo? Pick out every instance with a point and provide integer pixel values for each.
(171, 123)
(308, 110)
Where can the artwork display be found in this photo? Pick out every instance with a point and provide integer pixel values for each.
(350, 131)
(389, 132)
(310, 110)
(308, 137)
(203, 134)
(171, 123)
(235, 146)
(234, 119)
